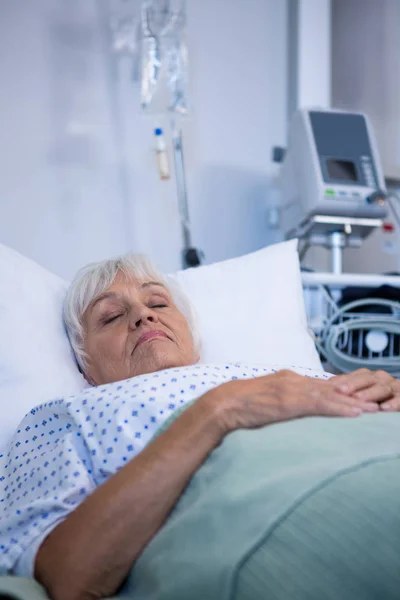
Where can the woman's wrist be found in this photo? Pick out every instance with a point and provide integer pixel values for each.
(220, 404)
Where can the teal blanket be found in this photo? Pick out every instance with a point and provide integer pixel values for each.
(303, 510)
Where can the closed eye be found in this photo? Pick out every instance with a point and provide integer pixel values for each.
(158, 306)
(111, 319)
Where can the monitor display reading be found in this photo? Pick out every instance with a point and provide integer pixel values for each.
(341, 170)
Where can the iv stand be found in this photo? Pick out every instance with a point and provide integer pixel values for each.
(191, 256)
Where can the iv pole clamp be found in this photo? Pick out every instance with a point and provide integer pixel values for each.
(191, 256)
(337, 243)
(339, 232)
(338, 240)
(334, 233)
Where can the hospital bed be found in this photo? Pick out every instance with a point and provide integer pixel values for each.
(303, 531)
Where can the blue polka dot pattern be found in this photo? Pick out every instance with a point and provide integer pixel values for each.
(65, 448)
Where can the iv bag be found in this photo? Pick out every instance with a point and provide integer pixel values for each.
(164, 73)
(125, 27)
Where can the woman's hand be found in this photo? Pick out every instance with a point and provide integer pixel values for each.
(370, 386)
(246, 404)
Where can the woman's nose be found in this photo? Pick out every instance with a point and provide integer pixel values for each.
(145, 315)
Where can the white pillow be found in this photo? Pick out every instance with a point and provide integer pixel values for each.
(36, 361)
(251, 309)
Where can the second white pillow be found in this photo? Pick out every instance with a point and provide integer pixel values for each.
(251, 309)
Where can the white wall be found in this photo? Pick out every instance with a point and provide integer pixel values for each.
(314, 53)
(365, 77)
(73, 189)
(240, 113)
(59, 195)
(237, 54)
(366, 66)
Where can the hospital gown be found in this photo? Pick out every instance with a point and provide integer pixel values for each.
(65, 448)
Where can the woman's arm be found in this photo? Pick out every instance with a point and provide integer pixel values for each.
(90, 553)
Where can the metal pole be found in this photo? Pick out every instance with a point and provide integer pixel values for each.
(292, 58)
(181, 185)
(191, 256)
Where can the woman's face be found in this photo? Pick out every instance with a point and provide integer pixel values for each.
(134, 328)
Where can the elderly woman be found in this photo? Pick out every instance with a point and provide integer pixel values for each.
(101, 484)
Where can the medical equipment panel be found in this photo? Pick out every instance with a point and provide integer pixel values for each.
(344, 152)
(331, 168)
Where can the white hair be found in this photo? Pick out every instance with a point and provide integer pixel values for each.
(96, 278)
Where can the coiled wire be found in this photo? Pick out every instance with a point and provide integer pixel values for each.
(343, 321)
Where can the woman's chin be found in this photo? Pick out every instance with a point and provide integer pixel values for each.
(158, 361)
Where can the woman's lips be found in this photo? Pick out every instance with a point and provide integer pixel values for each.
(150, 335)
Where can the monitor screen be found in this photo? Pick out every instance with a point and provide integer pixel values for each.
(341, 170)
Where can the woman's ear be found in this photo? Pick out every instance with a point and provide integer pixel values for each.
(88, 378)
(85, 370)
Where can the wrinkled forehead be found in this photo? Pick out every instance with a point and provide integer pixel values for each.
(125, 286)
